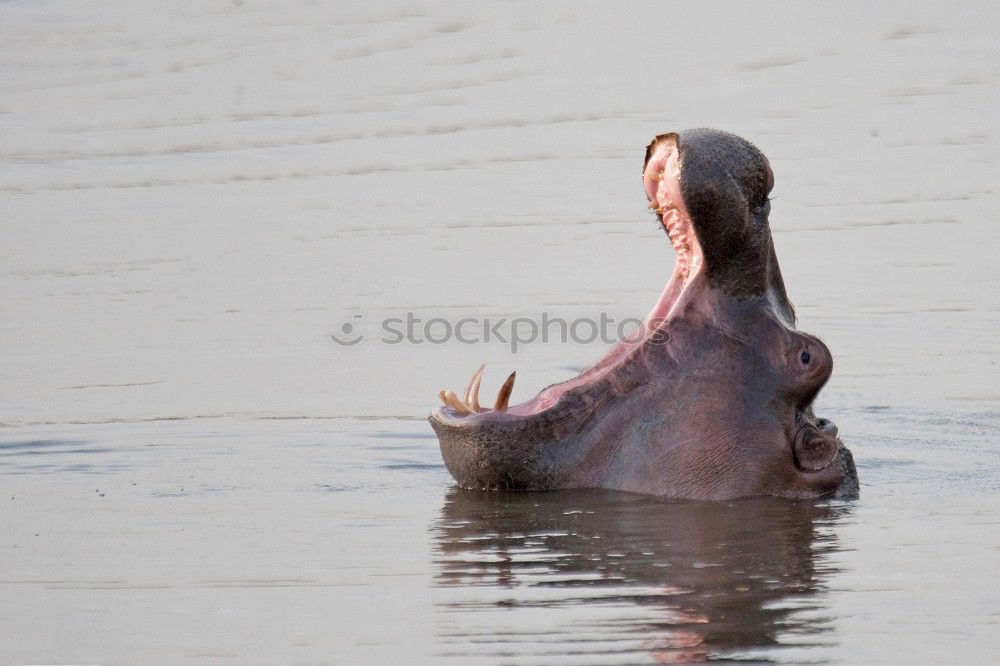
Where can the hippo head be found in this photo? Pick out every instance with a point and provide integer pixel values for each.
(711, 399)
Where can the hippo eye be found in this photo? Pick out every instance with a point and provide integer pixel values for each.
(805, 357)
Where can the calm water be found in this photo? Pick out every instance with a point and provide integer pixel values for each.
(197, 195)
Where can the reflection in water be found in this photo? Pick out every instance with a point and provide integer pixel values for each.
(632, 578)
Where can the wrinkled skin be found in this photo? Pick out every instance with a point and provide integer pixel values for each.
(713, 400)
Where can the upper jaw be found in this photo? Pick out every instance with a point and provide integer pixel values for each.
(662, 181)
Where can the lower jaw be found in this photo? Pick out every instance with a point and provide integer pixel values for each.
(672, 302)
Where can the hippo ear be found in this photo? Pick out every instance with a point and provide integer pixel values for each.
(814, 450)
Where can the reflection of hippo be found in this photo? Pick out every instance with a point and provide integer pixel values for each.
(681, 581)
(712, 399)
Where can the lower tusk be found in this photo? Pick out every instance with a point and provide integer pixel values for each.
(503, 397)
(466, 398)
(452, 401)
(441, 395)
(475, 390)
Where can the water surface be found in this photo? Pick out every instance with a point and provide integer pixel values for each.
(197, 196)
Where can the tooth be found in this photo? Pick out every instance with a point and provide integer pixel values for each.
(503, 397)
(472, 380)
(443, 398)
(475, 389)
(652, 205)
(456, 404)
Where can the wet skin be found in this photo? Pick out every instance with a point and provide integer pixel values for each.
(712, 400)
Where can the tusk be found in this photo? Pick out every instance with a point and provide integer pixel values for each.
(653, 205)
(442, 396)
(472, 380)
(452, 401)
(503, 397)
(475, 389)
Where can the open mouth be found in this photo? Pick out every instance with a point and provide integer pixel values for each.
(662, 182)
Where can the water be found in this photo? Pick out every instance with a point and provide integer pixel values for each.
(197, 196)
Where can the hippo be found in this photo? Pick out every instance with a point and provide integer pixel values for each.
(711, 399)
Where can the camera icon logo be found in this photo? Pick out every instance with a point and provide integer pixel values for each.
(348, 335)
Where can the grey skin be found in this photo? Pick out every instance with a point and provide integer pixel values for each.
(715, 403)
